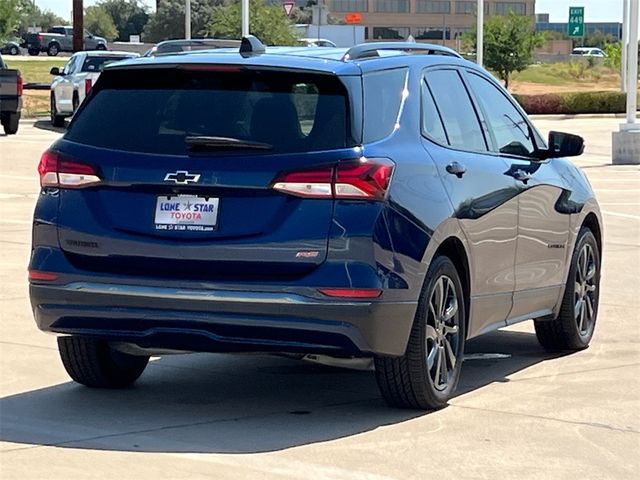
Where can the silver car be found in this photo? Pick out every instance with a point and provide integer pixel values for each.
(73, 82)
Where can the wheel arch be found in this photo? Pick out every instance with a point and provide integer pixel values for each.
(592, 223)
(453, 248)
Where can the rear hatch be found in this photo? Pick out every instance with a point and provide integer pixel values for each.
(177, 165)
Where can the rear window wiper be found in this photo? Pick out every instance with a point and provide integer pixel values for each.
(203, 142)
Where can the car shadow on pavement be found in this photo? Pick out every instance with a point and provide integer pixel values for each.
(46, 125)
(235, 403)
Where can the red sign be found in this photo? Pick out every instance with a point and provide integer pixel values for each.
(288, 7)
(353, 18)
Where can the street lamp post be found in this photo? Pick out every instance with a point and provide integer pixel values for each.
(625, 45)
(245, 18)
(187, 20)
(480, 35)
(626, 142)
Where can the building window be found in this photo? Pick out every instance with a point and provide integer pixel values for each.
(350, 6)
(428, 6)
(469, 8)
(390, 33)
(432, 33)
(515, 7)
(394, 6)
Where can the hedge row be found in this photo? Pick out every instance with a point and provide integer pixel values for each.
(573, 103)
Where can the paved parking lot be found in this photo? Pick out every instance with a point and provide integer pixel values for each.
(520, 414)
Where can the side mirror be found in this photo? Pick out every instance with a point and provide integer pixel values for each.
(564, 145)
(55, 71)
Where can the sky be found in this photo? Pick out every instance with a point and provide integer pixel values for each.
(595, 10)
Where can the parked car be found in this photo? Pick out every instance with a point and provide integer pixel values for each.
(72, 84)
(169, 47)
(60, 39)
(10, 48)
(347, 203)
(10, 98)
(588, 52)
(317, 42)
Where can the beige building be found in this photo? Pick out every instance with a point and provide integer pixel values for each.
(426, 20)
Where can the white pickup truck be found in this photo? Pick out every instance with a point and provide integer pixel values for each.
(71, 84)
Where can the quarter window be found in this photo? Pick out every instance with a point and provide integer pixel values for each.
(508, 128)
(431, 121)
(383, 94)
(457, 112)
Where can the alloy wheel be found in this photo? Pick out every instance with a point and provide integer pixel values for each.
(585, 290)
(442, 333)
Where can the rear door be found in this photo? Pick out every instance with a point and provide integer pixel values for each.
(543, 227)
(171, 202)
(481, 194)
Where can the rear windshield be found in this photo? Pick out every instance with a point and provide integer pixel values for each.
(153, 110)
(96, 64)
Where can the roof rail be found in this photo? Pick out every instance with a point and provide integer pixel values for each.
(250, 46)
(369, 50)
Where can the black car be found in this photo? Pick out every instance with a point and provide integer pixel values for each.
(389, 201)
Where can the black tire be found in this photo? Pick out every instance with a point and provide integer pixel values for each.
(33, 52)
(94, 363)
(53, 49)
(574, 327)
(10, 123)
(14, 50)
(101, 46)
(75, 103)
(56, 120)
(406, 381)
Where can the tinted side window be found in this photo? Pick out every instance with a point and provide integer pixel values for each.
(431, 121)
(508, 128)
(456, 110)
(382, 100)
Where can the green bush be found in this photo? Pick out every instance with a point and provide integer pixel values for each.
(573, 103)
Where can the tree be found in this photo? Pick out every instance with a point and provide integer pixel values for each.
(98, 21)
(10, 13)
(128, 16)
(168, 21)
(267, 22)
(598, 39)
(509, 42)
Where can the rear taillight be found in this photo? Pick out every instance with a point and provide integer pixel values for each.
(366, 178)
(40, 38)
(57, 171)
(20, 85)
(87, 86)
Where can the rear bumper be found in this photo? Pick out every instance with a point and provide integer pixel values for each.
(223, 320)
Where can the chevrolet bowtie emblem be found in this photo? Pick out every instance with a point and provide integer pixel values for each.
(182, 177)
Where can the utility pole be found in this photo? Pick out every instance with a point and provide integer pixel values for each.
(480, 35)
(187, 19)
(245, 18)
(78, 25)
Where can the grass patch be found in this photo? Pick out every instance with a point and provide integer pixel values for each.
(568, 74)
(35, 103)
(36, 71)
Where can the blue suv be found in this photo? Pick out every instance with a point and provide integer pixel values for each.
(387, 201)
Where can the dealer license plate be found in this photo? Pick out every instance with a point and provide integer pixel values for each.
(186, 212)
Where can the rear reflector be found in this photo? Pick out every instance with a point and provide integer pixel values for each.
(365, 178)
(351, 292)
(56, 171)
(35, 275)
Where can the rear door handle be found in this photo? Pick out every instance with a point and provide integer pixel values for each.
(522, 176)
(457, 169)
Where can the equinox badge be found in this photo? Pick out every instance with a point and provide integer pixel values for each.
(182, 177)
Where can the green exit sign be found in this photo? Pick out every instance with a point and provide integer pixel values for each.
(576, 22)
